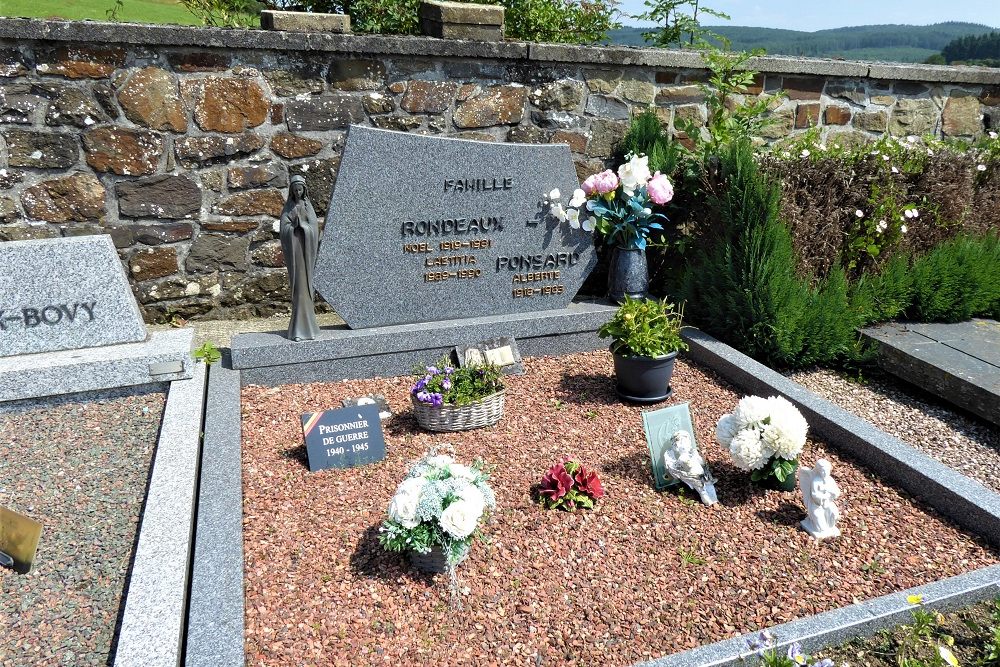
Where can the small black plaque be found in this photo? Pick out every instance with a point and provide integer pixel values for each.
(343, 438)
(500, 351)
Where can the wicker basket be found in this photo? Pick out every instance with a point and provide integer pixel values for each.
(484, 412)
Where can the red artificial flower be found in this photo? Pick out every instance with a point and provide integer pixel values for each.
(588, 482)
(556, 483)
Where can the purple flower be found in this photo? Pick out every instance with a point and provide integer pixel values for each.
(421, 383)
(433, 370)
(825, 662)
(423, 397)
(795, 654)
(448, 370)
(436, 400)
(446, 384)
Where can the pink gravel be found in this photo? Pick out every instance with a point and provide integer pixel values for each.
(644, 575)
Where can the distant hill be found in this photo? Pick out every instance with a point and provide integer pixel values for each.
(897, 43)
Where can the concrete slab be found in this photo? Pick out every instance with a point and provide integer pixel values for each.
(958, 362)
(152, 628)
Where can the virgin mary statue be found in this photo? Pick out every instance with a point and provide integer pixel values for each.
(299, 233)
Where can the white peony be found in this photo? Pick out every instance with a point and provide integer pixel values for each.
(748, 451)
(468, 493)
(634, 173)
(751, 411)
(573, 218)
(726, 429)
(555, 194)
(786, 433)
(460, 519)
(462, 471)
(403, 506)
(579, 197)
(440, 461)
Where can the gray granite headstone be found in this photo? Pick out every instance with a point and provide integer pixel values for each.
(423, 228)
(65, 294)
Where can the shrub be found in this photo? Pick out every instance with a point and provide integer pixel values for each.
(645, 328)
(957, 280)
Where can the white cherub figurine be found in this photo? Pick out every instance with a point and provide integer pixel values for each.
(683, 462)
(819, 491)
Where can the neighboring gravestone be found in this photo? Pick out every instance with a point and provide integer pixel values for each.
(65, 294)
(343, 438)
(422, 228)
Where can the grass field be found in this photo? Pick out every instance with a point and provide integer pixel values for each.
(135, 11)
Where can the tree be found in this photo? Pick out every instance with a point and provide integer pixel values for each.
(679, 26)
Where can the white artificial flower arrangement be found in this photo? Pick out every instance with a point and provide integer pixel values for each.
(440, 503)
(764, 436)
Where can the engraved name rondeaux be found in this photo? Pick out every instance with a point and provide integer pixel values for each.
(524, 269)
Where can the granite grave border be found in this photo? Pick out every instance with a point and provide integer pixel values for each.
(152, 624)
(959, 498)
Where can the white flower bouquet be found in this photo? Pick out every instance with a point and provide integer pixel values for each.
(764, 436)
(440, 504)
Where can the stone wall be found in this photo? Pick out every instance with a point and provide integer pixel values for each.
(179, 142)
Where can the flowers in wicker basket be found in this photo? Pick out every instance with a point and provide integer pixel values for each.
(568, 485)
(765, 436)
(445, 385)
(440, 503)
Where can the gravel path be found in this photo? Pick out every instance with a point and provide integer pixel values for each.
(962, 441)
(80, 468)
(646, 574)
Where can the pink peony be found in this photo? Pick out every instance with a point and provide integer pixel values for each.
(556, 483)
(601, 183)
(659, 188)
(588, 482)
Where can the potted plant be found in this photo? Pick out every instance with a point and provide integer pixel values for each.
(765, 437)
(436, 512)
(445, 398)
(569, 485)
(618, 207)
(647, 338)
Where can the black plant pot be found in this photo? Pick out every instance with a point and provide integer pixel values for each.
(644, 379)
(628, 274)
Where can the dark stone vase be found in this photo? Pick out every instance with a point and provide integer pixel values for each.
(788, 485)
(628, 274)
(644, 379)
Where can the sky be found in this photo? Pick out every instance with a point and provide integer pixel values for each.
(805, 15)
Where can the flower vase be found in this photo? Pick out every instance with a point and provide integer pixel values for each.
(628, 274)
(434, 561)
(791, 481)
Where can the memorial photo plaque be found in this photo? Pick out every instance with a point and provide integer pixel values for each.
(384, 411)
(660, 426)
(343, 438)
(19, 539)
(500, 352)
(424, 229)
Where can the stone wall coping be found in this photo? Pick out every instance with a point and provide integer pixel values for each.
(96, 32)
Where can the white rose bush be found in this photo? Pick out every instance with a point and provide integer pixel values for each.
(764, 437)
(440, 503)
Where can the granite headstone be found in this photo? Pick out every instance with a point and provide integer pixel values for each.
(65, 294)
(424, 228)
(343, 438)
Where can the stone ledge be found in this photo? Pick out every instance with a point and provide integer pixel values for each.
(152, 624)
(271, 19)
(150, 35)
(215, 629)
(96, 368)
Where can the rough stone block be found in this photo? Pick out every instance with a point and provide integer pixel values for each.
(167, 196)
(151, 98)
(836, 114)
(123, 151)
(230, 105)
(328, 112)
(65, 294)
(356, 75)
(806, 115)
(802, 88)
(497, 105)
(153, 263)
(290, 146)
(78, 197)
(41, 150)
(305, 21)
(192, 151)
(962, 117)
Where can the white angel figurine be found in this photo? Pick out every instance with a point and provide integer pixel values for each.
(683, 462)
(819, 491)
